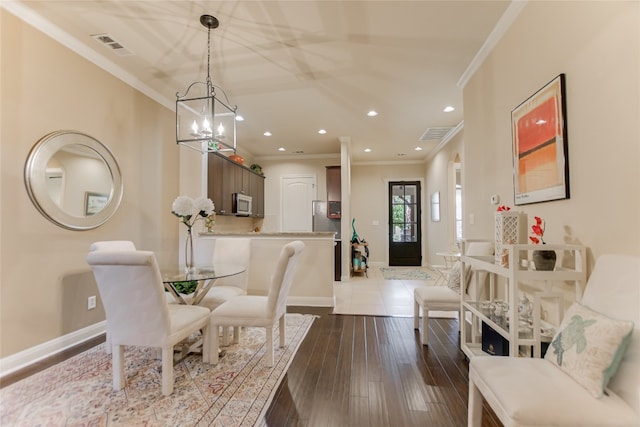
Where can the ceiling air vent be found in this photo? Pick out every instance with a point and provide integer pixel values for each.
(435, 134)
(113, 44)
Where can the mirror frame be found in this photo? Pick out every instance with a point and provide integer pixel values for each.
(35, 179)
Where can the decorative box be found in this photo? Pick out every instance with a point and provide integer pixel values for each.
(494, 343)
(510, 229)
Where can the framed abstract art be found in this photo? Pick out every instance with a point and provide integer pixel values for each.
(540, 150)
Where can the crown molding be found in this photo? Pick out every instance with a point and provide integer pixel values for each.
(49, 29)
(504, 23)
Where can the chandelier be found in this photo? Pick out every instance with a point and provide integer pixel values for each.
(205, 122)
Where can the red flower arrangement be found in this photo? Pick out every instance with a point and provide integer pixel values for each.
(538, 231)
(503, 208)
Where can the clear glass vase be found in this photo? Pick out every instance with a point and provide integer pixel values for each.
(188, 253)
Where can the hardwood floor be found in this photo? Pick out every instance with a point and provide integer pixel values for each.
(373, 371)
(361, 371)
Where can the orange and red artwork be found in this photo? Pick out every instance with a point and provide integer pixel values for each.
(540, 146)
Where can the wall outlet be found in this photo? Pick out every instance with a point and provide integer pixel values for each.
(91, 302)
(495, 199)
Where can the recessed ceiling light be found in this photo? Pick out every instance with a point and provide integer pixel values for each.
(267, 133)
(372, 113)
(367, 150)
(281, 149)
(322, 131)
(418, 148)
(448, 109)
(541, 122)
(239, 118)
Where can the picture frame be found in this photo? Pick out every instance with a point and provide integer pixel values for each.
(94, 202)
(540, 145)
(435, 206)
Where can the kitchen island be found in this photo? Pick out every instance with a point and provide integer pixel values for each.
(313, 279)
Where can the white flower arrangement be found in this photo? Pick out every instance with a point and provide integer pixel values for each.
(190, 210)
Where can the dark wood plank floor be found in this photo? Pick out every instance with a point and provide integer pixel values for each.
(361, 371)
(373, 371)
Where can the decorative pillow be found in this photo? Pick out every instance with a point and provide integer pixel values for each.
(454, 277)
(589, 346)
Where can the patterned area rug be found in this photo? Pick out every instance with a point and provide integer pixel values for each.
(236, 392)
(404, 273)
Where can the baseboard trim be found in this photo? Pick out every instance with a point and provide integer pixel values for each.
(42, 351)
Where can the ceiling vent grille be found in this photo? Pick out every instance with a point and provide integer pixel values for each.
(435, 134)
(108, 41)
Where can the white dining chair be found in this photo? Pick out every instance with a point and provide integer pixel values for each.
(259, 310)
(447, 298)
(132, 292)
(111, 245)
(229, 250)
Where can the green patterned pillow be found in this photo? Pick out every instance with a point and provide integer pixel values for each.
(589, 346)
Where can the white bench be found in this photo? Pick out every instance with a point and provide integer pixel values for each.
(536, 392)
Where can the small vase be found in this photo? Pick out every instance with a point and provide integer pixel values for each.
(544, 260)
(188, 254)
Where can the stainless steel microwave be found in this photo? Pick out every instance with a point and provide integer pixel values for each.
(242, 204)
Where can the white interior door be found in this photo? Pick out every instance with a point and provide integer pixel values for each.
(298, 192)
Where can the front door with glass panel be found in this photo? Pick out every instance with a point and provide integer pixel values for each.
(405, 247)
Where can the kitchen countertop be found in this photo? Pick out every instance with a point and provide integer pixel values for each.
(279, 235)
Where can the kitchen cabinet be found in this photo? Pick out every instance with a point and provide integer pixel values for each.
(334, 192)
(516, 289)
(226, 177)
(256, 189)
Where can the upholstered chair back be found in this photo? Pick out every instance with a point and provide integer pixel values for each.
(282, 278)
(132, 292)
(112, 245)
(236, 251)
(613, 289)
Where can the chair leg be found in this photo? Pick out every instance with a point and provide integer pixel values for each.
(282, 331)
(214, 344)
(474, 416)
(416, 315)
(236, 334)
(269, 346)
(225, 335)
(117, 362)
(167, 370)
(425, 326)
(107, 343)
(205, 344)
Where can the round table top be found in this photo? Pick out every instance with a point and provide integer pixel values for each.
(204, 273)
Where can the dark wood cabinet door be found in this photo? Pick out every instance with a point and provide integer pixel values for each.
(215, 179)
(334, 192)
(256, 190)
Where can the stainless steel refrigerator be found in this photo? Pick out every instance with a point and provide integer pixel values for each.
(320, 220)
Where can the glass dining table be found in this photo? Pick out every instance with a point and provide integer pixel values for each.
(205, 277)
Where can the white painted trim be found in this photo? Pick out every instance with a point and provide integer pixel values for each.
(311, 301)
(504, 23)
(32, 355)
(46, 27)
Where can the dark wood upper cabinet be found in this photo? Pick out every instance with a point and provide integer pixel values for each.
(225, 177)
(334, 192)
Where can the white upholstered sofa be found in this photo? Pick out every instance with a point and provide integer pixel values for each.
(537, 392)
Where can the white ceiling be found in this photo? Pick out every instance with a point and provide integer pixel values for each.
(293, 67)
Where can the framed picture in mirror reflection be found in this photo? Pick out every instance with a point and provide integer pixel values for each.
(94, 202)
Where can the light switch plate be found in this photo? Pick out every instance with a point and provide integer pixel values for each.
(495, 199)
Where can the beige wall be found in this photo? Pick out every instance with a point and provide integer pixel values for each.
(274, 170)
(44, 280)
(441, 235)
(597, 46)
(369, 203)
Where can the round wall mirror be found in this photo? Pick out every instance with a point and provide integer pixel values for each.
(73, 180)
